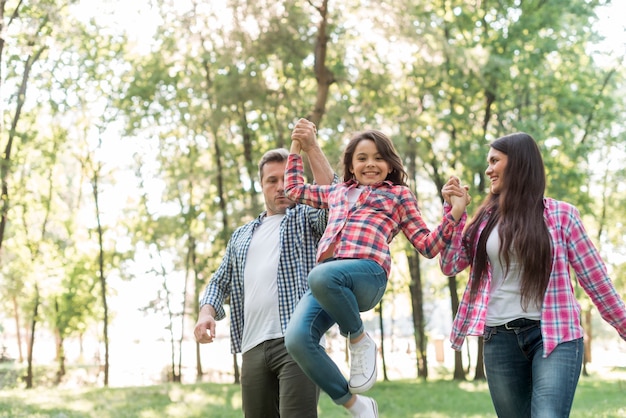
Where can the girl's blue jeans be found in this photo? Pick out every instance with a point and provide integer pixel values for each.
(339, 289)
(521, 381)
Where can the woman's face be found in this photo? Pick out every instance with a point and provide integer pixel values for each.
(368, 166)
(496, 163)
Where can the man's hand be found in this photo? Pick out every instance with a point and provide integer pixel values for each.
(305, 134)
(204, 331)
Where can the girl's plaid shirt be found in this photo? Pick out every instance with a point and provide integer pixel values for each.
(365, 229)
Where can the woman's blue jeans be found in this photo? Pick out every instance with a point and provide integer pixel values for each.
(521, 381)
(338, 290)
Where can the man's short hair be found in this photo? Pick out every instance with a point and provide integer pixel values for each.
(277, 155)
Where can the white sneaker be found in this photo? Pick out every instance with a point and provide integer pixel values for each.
(362, 365)
(368, 408)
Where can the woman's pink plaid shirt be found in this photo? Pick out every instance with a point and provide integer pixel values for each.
(560, 314)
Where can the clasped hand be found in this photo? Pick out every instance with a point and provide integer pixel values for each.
(455, 194)
(303, 135)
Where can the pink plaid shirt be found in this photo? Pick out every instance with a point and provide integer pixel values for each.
(560, 314)
(365, 229)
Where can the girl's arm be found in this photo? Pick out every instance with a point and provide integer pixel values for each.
(297, 190)
(304, 139)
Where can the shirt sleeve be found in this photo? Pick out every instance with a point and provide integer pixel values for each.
(454, 257)
(592, 274)
(426, 242)
(297, 190)
(219, 286)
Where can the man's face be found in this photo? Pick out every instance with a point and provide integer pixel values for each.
(273, 184)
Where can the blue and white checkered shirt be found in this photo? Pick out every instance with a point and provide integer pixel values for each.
(300, 231)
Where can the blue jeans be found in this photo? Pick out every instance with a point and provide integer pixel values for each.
(338, 290)
(521, 381)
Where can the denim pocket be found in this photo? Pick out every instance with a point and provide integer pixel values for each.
(488, 333)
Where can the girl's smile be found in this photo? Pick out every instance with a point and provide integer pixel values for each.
(368, 166)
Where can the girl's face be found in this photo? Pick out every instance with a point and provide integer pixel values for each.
(496, 163)
(368, 166)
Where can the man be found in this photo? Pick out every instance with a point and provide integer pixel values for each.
(264, 272)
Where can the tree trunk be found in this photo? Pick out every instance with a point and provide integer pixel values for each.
(459, 373)
(31, 341)
(382, 340)
(101, 277)
(18, 328)
(417, 304)
(479, 374)
(60, 352)
(323, 75)
(60, 361)
(587, 339)
(5, 164)
(236, 368)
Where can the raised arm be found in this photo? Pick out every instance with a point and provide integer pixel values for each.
(457, 196)
(304, 139)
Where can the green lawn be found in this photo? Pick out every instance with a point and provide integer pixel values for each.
(595, 398)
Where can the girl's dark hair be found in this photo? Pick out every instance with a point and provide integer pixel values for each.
(386, 149)
(518, 210)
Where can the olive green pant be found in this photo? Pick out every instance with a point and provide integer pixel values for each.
(273, 385)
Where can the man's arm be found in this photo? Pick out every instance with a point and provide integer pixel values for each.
(211, 303)
(305, 134)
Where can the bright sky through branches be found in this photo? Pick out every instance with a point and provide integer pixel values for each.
(139, 20)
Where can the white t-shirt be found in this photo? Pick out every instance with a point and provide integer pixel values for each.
(505, 299)
(261, 317)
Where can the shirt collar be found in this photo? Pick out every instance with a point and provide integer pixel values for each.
(354, 183)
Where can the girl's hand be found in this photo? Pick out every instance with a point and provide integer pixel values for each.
(457, 196)
(452, 188)
(305, 134)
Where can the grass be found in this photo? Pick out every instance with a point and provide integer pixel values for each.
(597, 397)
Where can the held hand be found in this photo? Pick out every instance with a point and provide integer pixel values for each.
(452, 188)
(305, 134)
(457, 196)
(461, 201)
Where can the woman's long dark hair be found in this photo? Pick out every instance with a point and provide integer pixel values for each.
(518, 210)
(386, 149)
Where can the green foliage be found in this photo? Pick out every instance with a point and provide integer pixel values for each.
(216, 87)
(72, 306)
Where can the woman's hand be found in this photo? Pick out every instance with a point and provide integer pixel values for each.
(453, 188)
(457, 196)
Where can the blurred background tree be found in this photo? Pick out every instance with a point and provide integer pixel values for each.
(131, 139)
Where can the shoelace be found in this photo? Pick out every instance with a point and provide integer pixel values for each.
(357, 363)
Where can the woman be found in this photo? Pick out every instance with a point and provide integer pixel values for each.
(366, 211)
(520, 246)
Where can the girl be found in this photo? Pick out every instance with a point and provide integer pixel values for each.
(366, 211)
